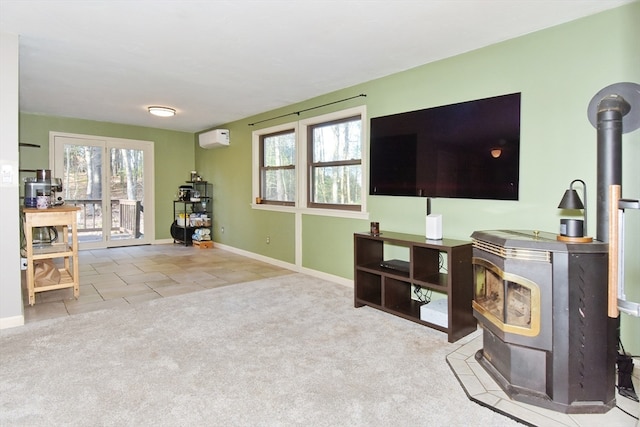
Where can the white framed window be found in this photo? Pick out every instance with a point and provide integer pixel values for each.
(330, 164)
(274, 162)
(335, 164)
(278, 167)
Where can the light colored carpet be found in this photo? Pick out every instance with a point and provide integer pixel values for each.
(286, 351)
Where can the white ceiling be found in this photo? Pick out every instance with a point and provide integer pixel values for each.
(218, 61)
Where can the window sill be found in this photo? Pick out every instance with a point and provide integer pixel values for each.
(276, 208)
(312, 211)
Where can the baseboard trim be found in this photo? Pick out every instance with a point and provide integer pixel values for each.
(11, 322)
(162, 241)
(315, 273)
(255, 256)
(329, 277)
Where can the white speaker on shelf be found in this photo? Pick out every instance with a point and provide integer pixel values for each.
(434, 226)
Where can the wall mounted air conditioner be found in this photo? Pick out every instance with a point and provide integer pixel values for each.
(214, 138)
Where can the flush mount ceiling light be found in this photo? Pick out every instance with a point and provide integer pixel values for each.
(162, 111)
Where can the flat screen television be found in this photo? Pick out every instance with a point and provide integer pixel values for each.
(466, 150)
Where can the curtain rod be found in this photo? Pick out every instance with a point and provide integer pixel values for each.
(307, 109)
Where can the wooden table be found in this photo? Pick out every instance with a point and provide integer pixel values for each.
(60, 216)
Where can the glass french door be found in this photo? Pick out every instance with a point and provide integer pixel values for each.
(109, 180)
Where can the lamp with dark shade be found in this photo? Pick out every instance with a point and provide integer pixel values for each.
(573, 229)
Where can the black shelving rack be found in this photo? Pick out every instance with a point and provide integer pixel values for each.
(182, 234)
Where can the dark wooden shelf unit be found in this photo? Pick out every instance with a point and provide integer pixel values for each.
(390, 290)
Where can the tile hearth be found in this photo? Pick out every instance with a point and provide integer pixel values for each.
(482, 389)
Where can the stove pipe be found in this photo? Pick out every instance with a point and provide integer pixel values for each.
(608, 112)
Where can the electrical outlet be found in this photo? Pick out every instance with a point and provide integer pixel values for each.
(23, 263)
(268, 239)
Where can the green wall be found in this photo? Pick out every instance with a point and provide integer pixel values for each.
(174, 154)
(557, 70)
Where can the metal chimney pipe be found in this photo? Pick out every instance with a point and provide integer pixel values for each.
(610, 112)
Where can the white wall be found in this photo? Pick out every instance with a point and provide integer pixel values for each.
(11, 311)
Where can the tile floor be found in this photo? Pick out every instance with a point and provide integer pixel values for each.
(129, 275)
(482, 389)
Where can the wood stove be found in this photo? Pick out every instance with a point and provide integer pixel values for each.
(542, 304)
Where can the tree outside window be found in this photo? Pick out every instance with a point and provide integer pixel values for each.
(277, 168)
(335, 164)
(314, 165)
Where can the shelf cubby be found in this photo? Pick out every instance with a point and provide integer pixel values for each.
(370, 288)
(443, 266)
